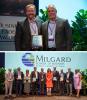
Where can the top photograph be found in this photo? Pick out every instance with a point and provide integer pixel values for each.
(31, 25)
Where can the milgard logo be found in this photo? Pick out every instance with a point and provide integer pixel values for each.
(28, 59)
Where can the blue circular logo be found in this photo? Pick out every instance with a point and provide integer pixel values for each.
(28, 59)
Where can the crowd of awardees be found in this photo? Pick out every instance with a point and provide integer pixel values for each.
(43, 83)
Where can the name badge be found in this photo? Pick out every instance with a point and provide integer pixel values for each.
(67, 81)
(42, 79)
(33, 33)
(61, 78)
(51, 38)
(27, 78)
(19, 76)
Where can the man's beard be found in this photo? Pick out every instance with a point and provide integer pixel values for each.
(32, 16)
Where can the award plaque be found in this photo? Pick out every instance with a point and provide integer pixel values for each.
(37, 41)
(54, 79)
(34, 79)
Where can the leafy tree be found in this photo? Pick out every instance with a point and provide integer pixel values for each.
(79, 31)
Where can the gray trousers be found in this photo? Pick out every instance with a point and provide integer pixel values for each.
(69, 88)
(8, 88)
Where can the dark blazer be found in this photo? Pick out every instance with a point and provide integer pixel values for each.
(63, 77)
(56, 74)
(34, 76)
(63, 35)
(22, 76)
(23, 35)
(70, 79)
(40, 76)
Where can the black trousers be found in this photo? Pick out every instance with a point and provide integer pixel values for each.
(55, 87)
(34, 88)
(19, 87)
(62, 88)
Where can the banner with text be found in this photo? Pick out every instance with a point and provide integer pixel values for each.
(60, 60)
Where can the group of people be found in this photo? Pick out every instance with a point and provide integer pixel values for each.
(56, 32)
(41, 83)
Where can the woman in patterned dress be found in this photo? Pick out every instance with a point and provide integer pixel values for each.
(27, 82)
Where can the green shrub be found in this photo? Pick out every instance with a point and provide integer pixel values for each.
(2, 79)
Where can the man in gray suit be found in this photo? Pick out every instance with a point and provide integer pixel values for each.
(56, 32)
(26, 29)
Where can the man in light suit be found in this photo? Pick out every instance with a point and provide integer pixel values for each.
(26, 29)
(9, 77)
(56, 32)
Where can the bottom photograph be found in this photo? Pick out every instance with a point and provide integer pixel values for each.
(59, 75)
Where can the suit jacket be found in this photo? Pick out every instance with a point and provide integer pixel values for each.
(33, 75)
(22, 76)
(42, 75)
(56, 74)
(62, 36)
(70, 79)
(23, 40)
(64, 76)
(9, 77)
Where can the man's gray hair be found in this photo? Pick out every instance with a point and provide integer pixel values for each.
(52, 6)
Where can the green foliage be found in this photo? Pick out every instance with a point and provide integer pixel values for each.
(44, 15)
(84, 74)
(84, 81)
(79, 30)
(2, 79)
(14, 70)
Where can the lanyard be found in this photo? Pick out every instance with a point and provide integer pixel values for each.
(51, 29)
(9, 74)
(33, 28)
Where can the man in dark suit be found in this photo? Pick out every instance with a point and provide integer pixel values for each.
(34, 81)
(69, 82)
(55, 81)
(56, 32)
(19, 81)
(62, 82)
(26, 29)
(42, 81)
